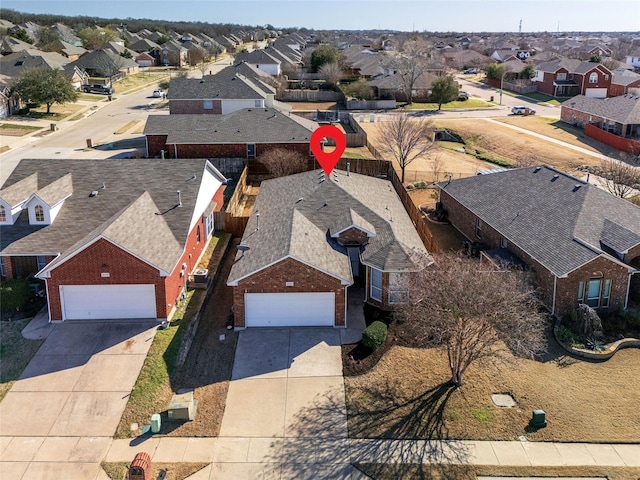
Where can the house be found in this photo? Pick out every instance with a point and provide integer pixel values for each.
(506, 55)
(170, 53)
(232, 89)
(105, 63)
(9, 101)
(261, 60)
(13, 45)
(310, 237)
(614, 121)
(582, 242)
(110, 239)
(393, 86)
(246, 133)
(633, 59)
(623, 81)
(72, 52)
(14, 65)
(567, 78)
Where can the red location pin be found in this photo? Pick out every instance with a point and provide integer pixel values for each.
(328, 160)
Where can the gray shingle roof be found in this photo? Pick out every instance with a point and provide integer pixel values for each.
(297, 213)
(623, 109)
(622, 76)
(541, 210)
(20, 191)
(135, 210)
(257, 56)
(250, 125)
(225, 85)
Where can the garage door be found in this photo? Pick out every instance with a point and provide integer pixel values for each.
(99, 302)
(595, 92)
(289, 309)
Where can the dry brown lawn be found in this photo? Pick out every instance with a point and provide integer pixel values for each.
(510, 145)
(406, 395)
(310, 106)
(174, 471)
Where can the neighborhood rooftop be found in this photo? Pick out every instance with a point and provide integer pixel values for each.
(562, 222)
(298, 215)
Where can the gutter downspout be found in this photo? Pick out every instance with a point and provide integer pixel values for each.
(46, 286)
(175, 149)
(555, 284)
(346, 303)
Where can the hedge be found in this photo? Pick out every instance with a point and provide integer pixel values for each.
(374, 335)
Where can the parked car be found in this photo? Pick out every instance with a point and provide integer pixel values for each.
(471, 71)
(103, 89)
(158, 94)
(522, 110)
(462, 95)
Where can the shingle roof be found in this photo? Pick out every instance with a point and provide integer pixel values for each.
(555, 218)
(622, 76)
(624, 109)
(250, 125)
(56, 191)
(137, 209)
(227, 84)
(20, 191)
(297, 213)
(257, 56)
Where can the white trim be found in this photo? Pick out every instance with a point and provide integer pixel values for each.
(46, 286)
(601, 254)
(342, 280)
(46, 272)
(381, 284)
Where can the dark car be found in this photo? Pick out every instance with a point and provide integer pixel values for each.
(103, 89)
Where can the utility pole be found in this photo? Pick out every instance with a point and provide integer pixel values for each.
(520, 28)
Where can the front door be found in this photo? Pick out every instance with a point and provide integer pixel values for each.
(24, 266)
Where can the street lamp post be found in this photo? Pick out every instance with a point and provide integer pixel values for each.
(502, 84)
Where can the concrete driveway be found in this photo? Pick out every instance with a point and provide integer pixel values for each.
(69, 399)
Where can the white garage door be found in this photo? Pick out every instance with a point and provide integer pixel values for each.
(595, 92)
(289, 309)
(98, 302)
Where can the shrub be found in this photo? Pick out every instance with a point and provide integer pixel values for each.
(14, 294)
(374, 335)
(568, 337)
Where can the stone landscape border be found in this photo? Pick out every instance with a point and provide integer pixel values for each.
(606, 354)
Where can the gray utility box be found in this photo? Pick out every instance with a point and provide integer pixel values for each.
(182, 407)
(200, 275)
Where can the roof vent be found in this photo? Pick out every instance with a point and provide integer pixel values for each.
(555, 177)
(94, 193)
(537, 169)
(299, 200)
(576, 187)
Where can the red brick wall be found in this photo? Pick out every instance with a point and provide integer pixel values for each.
(546, 86)
(576, 117)
(8, 267)
(155, 143)
(616, 90)
(85, 268)
(231, 150)
(194, 106)
(624, 144)
(353, 236)
(604, 80)
(273, 279)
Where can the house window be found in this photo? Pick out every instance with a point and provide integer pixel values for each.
(251, 149)
(376, 284)
(580, 292)
(207, 104)
(561, 76)
(3, 214)
(398, 291)
(606, 293)
(39, 211)
(208, 224)
(593, 292)
(593, 78)
(198, 234)
(478, 228)
(42, 262)
(503, 242)
(257, 103)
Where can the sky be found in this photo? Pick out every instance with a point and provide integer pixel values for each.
(419, 15)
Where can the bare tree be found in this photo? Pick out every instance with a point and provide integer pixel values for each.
(475, 311)
(331, 72)
(410, 64)
(620, 178)
(406, 139)
(436, 167)
(282, 162)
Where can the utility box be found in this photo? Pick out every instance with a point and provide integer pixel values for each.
(200, 275)
(538, 419)
(182, 407)
(140, 468)
(156, 423)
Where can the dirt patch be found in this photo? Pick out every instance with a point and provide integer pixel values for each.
(311, 106)
(511, 146)
(407, 395)
(173, 471)
(209, 363)
(15, 130)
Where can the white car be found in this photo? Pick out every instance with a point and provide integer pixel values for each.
(522, 110)
(158, 94)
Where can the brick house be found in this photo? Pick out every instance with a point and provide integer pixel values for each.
(614, 121)
(110, 239)
(623, 81)
(582, 243)
(232, 89)
(245, 133)
(310, 237)
(568, 77)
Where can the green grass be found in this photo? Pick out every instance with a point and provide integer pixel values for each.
(88, 97)
(471, 103)
(14, 126)
(353, 155)
(44, 115)
(149, 392)
(482, 414)
(15, 351)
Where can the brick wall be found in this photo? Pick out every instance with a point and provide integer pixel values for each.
(604, 80)
(86, 268)
(546, 86)
(273, 279)
(177, 107)
(576, 117)
(616, 89)
(155, 143)
(384, 304)
(353, 236)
